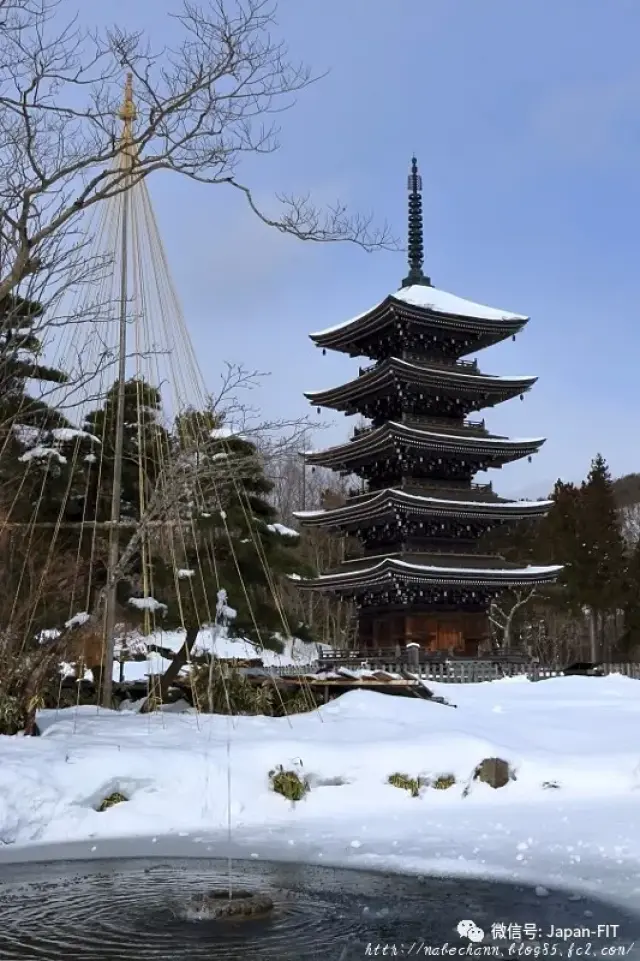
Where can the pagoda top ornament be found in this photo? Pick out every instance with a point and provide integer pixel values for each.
(415, 246)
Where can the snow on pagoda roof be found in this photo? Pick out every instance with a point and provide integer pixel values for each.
(389, 565)
(465, 438)
(471, 441)
(443, 372)
(436, 502)
(419, 295)
(438, 301)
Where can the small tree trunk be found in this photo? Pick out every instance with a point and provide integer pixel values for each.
(161, 687)
(210, 683)
(602, 625)
(506, 636)
(593, 635)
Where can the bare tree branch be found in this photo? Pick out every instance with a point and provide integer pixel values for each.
(202, 105)
(501, 616)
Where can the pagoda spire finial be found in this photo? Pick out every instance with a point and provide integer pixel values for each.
(415, 248)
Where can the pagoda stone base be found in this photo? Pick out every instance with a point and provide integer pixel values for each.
(454, 632)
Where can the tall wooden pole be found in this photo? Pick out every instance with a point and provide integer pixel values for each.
(127, 115)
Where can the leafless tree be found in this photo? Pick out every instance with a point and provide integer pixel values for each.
(202, 105)
(556, 637)
(630, 523)
(277, 439)
(502, 614)
(299, 487)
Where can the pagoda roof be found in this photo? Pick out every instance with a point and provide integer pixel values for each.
(396, 571)
(384, 374)
(427, 305)
(376, 441)
(381, 504)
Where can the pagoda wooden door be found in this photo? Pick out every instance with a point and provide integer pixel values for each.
(449, 637)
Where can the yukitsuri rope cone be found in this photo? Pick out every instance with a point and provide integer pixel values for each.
(129, 504)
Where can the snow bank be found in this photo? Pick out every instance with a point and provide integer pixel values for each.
(211, 640)
(579, 733)
(216, 640)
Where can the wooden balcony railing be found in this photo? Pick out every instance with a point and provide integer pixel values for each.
(439, 425)
(430, 488)
(462, 366)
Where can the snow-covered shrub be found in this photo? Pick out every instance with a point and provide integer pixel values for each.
(289, 784)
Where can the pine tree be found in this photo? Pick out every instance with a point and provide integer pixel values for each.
(33, 469)
(42, 481)
(20, 349)
(227, 565)
(230, 543)
(584, 533)
(604, 562)
(145, 448)
(560, 534)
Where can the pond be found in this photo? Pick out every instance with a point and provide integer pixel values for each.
(125, 909)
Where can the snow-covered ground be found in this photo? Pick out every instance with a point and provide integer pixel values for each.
(581, 733)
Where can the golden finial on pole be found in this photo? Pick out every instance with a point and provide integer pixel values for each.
(128, 109)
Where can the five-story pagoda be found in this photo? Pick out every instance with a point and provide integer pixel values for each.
(421, 576)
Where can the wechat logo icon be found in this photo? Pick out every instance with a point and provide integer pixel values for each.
(470, 930)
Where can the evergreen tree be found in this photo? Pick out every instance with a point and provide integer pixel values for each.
(517, 542)
(230, 538)
(584, 534)
(560, 534)
(582, 531)
(145, 452)
(145, 448)
(33, 468)
(42, 467)
(20, 349)
(42, 482)
(603, 549)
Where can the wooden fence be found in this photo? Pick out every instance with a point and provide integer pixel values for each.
(452, 672)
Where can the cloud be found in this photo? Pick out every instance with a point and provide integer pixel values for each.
(595, 123)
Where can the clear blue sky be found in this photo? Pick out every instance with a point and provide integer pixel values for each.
(525, 117)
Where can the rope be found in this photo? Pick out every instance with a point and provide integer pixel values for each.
(163, 357)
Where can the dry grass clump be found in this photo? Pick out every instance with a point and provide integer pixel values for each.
(443, 782)
(406, 783)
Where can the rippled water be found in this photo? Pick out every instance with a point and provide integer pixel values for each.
(129, 911)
